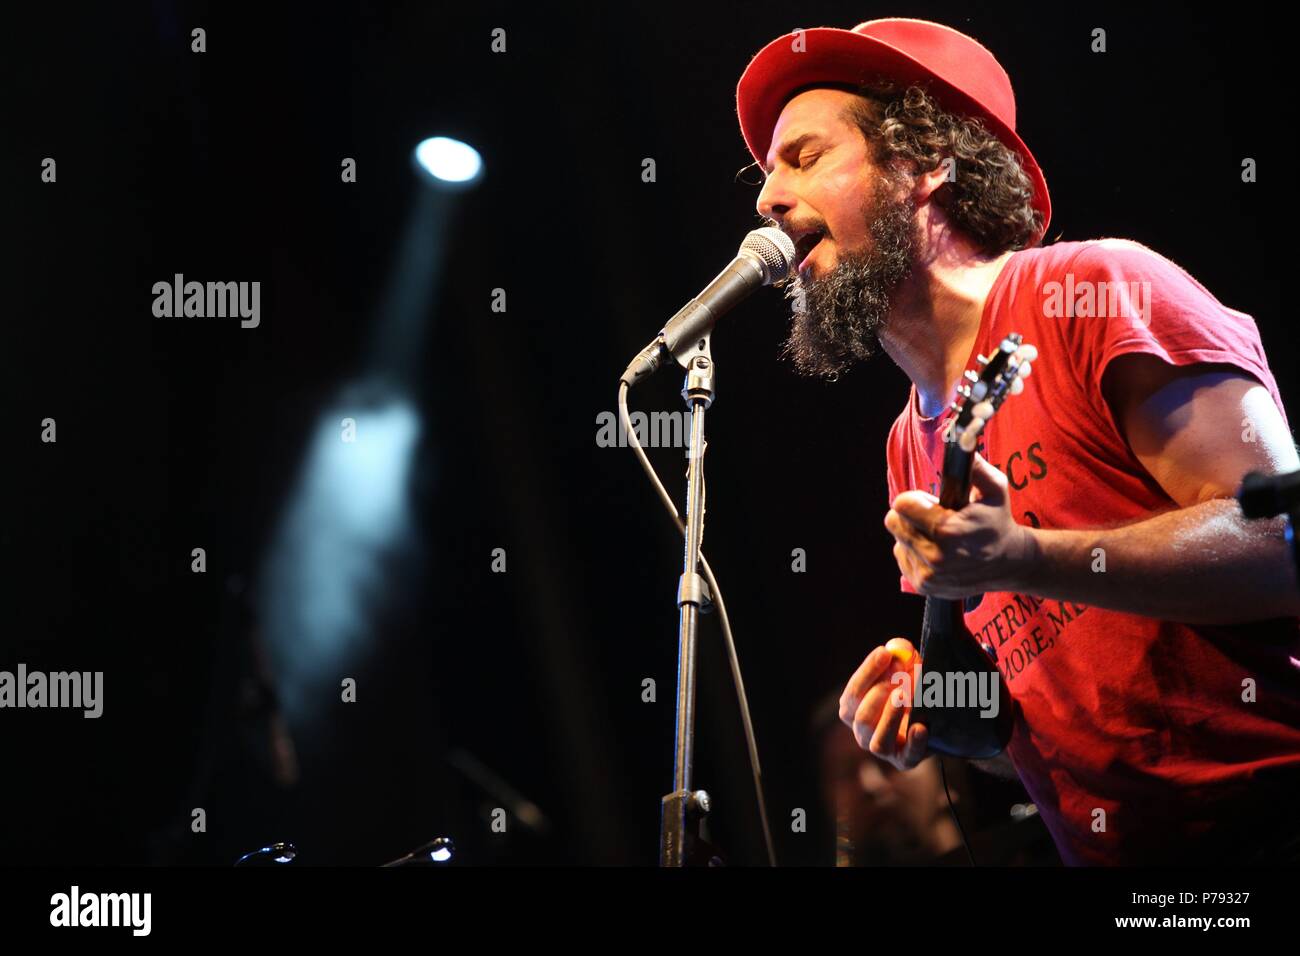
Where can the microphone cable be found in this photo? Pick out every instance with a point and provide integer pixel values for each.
(952, 808)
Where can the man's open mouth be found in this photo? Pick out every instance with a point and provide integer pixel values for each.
(804, 246)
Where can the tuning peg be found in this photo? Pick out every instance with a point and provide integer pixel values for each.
(982, 359)
(964, 391)
(1027, 353)
(1023, 369)
(969, 439)
(1017, 385)
(983, 411)
(954, 406)
(971, 376)
(979, 390)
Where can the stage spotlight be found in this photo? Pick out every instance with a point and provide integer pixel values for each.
(346, 547)
(449, 162)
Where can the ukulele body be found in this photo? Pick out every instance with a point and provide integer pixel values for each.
(947, 647)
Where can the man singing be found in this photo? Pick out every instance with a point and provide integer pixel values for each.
(1147, 632)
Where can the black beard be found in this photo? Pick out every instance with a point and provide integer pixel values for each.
(837, 319)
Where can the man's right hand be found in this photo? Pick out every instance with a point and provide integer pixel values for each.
(866, 706)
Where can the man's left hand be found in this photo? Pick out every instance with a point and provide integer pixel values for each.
(954, 554)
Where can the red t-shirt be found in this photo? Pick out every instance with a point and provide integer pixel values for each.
(1134, 739)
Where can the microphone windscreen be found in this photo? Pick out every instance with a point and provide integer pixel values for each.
(1263, 496)
(774, 249)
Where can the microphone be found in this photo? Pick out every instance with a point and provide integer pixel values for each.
(1263, 496)
(766, 256)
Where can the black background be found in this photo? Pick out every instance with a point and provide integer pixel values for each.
(179, 434)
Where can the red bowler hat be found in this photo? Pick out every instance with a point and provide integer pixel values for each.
(960, 74)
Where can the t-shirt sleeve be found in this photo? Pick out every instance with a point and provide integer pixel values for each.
(1122, 298)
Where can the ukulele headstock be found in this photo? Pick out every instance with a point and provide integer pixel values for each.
(982, 392)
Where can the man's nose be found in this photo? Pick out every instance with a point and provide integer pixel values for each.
(775, 201)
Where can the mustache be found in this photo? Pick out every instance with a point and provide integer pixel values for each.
(792, 228)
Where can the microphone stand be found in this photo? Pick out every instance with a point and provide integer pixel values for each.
(765, 256)
(684, 809)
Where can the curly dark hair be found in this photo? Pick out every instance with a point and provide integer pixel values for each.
(990, 198)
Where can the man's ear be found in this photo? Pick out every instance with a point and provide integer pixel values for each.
(926, 184)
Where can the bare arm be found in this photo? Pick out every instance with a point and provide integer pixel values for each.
(1197, 430)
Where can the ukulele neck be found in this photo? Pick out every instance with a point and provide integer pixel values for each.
(943, 618)
(954, 492)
